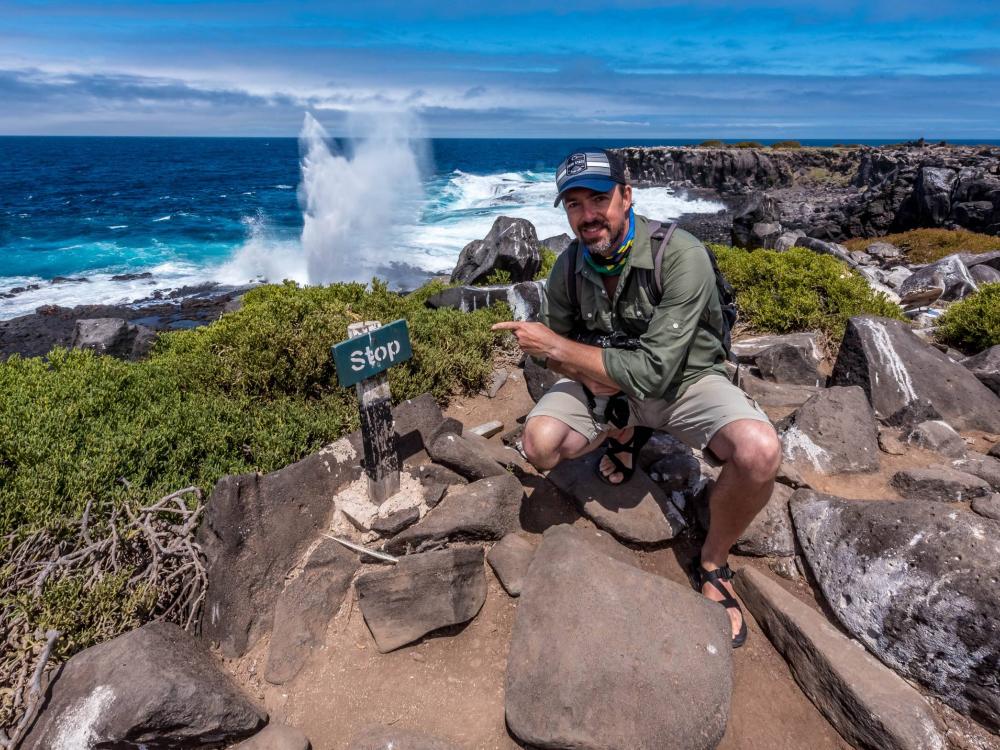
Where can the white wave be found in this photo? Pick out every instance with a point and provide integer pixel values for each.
(283, 187)
(168, 217)
(118, 226)
(263, 257)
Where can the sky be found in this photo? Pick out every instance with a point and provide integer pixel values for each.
(849, 69)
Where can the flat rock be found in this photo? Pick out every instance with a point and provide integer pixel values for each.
(510, 558)
(637, 511)
(785, 363)
(104, 696)
(867, 703)
(503, 454)
(394, 738)
(746, 350)
(899, 372)
(937, 436)
(421, 593)
(986, 468)
(487, 429)
(432, 474)
(396, 521)
(918, 584)
(988, 506)
(986, 367)
(465, 457)
(769, 394)
(275, 737)
(648, 642)
(256, 529)
(939, 484)
(834, 432)
(486, 510)
(770, 534)
(305, 608)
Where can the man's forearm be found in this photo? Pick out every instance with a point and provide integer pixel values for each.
(579, 362)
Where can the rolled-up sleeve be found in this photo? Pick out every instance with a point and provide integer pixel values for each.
(688, 286)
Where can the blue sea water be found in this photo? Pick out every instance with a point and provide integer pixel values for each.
(192, 210)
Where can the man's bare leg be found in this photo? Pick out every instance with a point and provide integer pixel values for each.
(751, 454)
(548, 441)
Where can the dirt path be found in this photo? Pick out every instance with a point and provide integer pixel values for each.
(451, 684)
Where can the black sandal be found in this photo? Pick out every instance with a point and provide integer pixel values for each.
(725, 573)
(640, 436)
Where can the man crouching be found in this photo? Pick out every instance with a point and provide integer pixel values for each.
(639, 356)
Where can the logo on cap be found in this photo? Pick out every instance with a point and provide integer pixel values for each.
(575, 164)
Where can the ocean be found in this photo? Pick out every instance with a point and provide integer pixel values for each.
(75, 212)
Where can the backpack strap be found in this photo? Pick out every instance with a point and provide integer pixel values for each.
(652, 283)
(573, 282)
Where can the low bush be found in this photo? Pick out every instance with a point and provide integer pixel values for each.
(786, 144)
(548, 260)
(973, 324)
(798, 290)
(748, 144)
(928, 245)
(711, 143)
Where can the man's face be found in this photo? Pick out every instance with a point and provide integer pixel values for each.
(599, 220)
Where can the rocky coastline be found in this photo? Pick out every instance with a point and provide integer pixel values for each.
(837, 193)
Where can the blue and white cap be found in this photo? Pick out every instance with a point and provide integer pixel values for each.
(594, 169)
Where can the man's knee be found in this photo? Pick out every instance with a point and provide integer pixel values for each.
(545, 441)
(756, 452)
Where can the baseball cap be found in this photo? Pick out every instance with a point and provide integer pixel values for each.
(594, 169)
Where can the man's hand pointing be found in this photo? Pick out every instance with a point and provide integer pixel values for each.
(533, 338)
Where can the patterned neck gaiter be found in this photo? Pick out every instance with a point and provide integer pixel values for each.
(613, 265)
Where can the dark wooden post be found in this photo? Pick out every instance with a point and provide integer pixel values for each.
(377, 434)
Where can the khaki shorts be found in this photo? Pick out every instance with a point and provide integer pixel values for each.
(707, 405)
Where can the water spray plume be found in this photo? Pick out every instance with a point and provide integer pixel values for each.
(354, 203)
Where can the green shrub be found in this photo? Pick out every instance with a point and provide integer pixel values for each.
(254, 391)
(929, 245)
(974, 323)
(712, 143)
(748, 144)
(786, 144)
(499, 276)
(548, 260)
(798, 290)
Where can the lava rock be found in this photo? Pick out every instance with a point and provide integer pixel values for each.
(939, 484)
(937, 436)
(465, 457)
(747, 350)
(899, 371)
(646, 642)
(986, 367)
(538, 379)
(524, 298)
(276, 737)
(510, 558)
(918, 584)
(986, 468)
(421, 593)
(511, 245)
(156, 686)
(638, 511)
(777, 395)
(396, 521)
(256, 528)
(305, 607)
(114, 337)
(486, 510)
(988, 506)
(949, 273)
(770, 534)
(558, 243)
(784, 363)
(867, 703)
(884, 251)
(834, 432)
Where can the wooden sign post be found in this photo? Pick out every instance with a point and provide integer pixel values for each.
(361, 361)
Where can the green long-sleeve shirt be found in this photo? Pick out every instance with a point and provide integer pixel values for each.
(675, 350)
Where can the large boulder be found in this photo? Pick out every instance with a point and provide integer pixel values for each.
(637, 511)
(900, 373)
(421, 593)
(985, 467)
(986, 367)
(935, 435)
(785, 363)
(932, 193)
(305, 608)
(746, 350)
(465, 457)
(115, 337)
(486, 510)
(869, 705)
(510, 558)
(256, 529)
(918, 584)
(647, 665)
(511, 245)
(834, 432)
(940, 484)
(524, 299)
(154, 687)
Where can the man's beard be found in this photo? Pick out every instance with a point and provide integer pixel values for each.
(605, 248)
